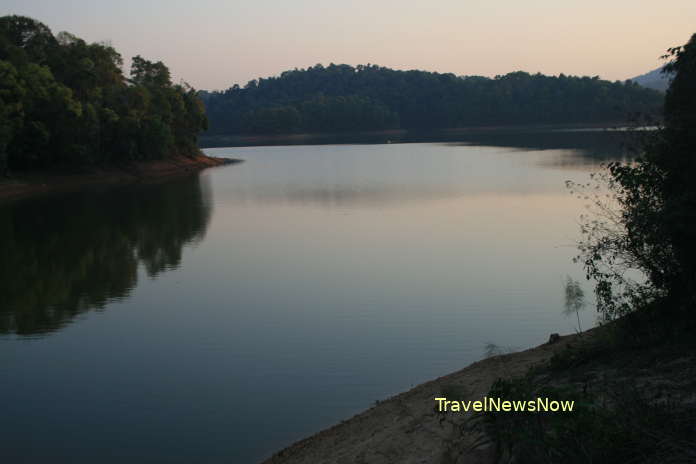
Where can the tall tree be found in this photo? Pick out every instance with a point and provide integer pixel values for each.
(654, 230)
(66, 102)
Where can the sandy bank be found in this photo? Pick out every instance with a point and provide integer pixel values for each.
(23, 185)
(407, 429)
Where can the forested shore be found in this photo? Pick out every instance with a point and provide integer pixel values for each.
(25, 184)
(66, 104)
(344, 98)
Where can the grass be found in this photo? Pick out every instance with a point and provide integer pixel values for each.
(612, 426)
(634, 403)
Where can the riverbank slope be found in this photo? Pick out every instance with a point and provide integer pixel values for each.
(635, 400)
(407, 427)
(35, 183)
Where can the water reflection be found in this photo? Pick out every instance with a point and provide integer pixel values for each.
(65, 255)
(591, 143)
(344, 273)
(394, 175)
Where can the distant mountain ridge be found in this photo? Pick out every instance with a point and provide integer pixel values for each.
(654, 79)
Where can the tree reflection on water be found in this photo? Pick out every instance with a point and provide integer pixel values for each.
(65, 255)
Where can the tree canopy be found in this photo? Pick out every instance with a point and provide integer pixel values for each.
(65, 102)
(344, 98)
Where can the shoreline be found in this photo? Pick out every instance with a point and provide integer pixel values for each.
(406, 428)
(384, 135)
(38, 183)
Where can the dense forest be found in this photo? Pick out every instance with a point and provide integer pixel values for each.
(65, 102)
(346, 98)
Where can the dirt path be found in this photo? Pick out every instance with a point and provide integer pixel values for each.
(406, 428)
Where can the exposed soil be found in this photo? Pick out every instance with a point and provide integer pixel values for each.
(408, 429)
(36, 183)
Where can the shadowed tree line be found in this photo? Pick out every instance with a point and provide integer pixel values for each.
(344, 98)
(91, 256)
(652, 229)
(65, 102)
(632, 380)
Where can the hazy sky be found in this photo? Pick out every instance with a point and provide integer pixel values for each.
(213, 44)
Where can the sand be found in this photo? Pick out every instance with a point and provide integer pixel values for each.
(407, 428)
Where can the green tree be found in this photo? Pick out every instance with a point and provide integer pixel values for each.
(653, 229)
(66, 102)
(369, 97)
(144, 72)
(26, 38)
(11, 109)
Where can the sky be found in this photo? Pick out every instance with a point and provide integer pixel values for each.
(213, 44)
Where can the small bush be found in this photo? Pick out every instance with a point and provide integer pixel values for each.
(612, 425)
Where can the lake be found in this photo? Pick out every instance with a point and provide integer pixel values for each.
(222, 316)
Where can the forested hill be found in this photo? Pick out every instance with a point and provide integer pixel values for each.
(65, 102)
(347, 98)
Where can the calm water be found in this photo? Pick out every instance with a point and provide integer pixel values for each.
(220, 317)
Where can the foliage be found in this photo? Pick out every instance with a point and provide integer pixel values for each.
(342, 97)
(64, 102)
(321, 114)
(607, 425)
(640, 247)
(648, 229)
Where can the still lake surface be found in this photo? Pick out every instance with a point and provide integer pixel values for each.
(220, 317)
